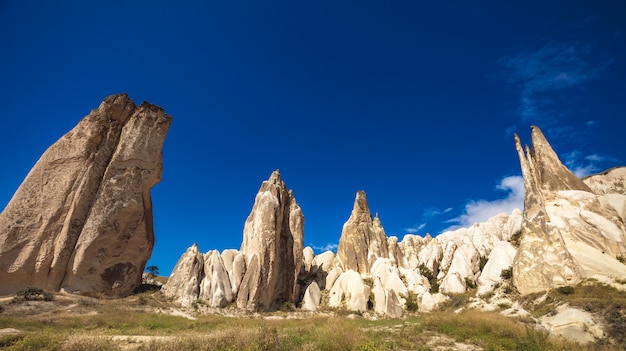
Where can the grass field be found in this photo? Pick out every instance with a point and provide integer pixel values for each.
(81, 323)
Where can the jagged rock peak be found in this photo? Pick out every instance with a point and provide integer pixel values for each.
(362, 240)
(82, 218)
(273, 247)
(546, 167)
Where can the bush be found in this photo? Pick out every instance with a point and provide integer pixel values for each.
(470, 284)
(516, 238)
(482, 261)
(432, 279)
(565, 290)
(621, 258)
(32, 294)
(507, 273)
(410, 302)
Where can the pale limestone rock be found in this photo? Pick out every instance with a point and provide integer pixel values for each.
(426, 302)
(308, 256)
(362, 238)
(184, 282)
(500, 258)
(215, 288)
(332, 276)
(235, 265)
(388, 275)
(569, 232)
(415, 282)
(611, 181)
(395, 252)
(324, 261)
(386, 300)
(573, 324)
(272, 246)
(349, 291)
(82, 218)
(312, 297)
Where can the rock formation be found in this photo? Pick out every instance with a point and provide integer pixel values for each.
(82, 218)
(273, 247)
(363, 239)
(264, 274)
(569, 232)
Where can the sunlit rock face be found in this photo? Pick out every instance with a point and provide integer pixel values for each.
(273, 248)
(363, 239)
(82, 218)
(572, 228)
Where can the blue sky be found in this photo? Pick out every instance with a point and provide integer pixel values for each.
(414, 102)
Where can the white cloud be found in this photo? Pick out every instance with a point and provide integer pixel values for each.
(327, 247)
(583, 166)
(552, 68)
(480, 210)
(415, 230)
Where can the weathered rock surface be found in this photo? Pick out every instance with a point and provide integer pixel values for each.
(186, 278)
(273, 247)
(82, 218)
(500, 258)
(350, 291)
(572, 324)
(569, 232)
(363, 239)
(312, 297)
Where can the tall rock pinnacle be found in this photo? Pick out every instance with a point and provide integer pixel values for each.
(272, 245)
(543, 260)
(82, 218)
(362, 238)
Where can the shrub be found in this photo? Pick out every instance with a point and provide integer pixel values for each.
(621, 258)
(410, 302)
(31, 294)
(565, 290)
(482, 261)
(470, 283)
(516, 238)
(432, 279)
(507, 273)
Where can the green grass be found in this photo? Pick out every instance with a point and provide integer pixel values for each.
(68, 330)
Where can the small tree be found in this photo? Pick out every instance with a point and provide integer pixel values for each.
(153, 271)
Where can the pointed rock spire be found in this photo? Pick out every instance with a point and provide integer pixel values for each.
(272, 244)
(543, 261)
(362, 239)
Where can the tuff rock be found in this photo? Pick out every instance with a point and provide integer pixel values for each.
(569, 232)
(82, 218)
(363, 239)
(273, 248)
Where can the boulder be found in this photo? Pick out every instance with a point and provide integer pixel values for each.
(82, 218)
(500, 258)
(273, 248)
(349, 291)
(312, 297)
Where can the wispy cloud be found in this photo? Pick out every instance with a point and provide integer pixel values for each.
(327, 247)
(583, 165)
(427, 215)
(549, 69)
(480, 210)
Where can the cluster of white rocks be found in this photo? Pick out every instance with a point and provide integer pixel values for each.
(370, 270)
(570, 229)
